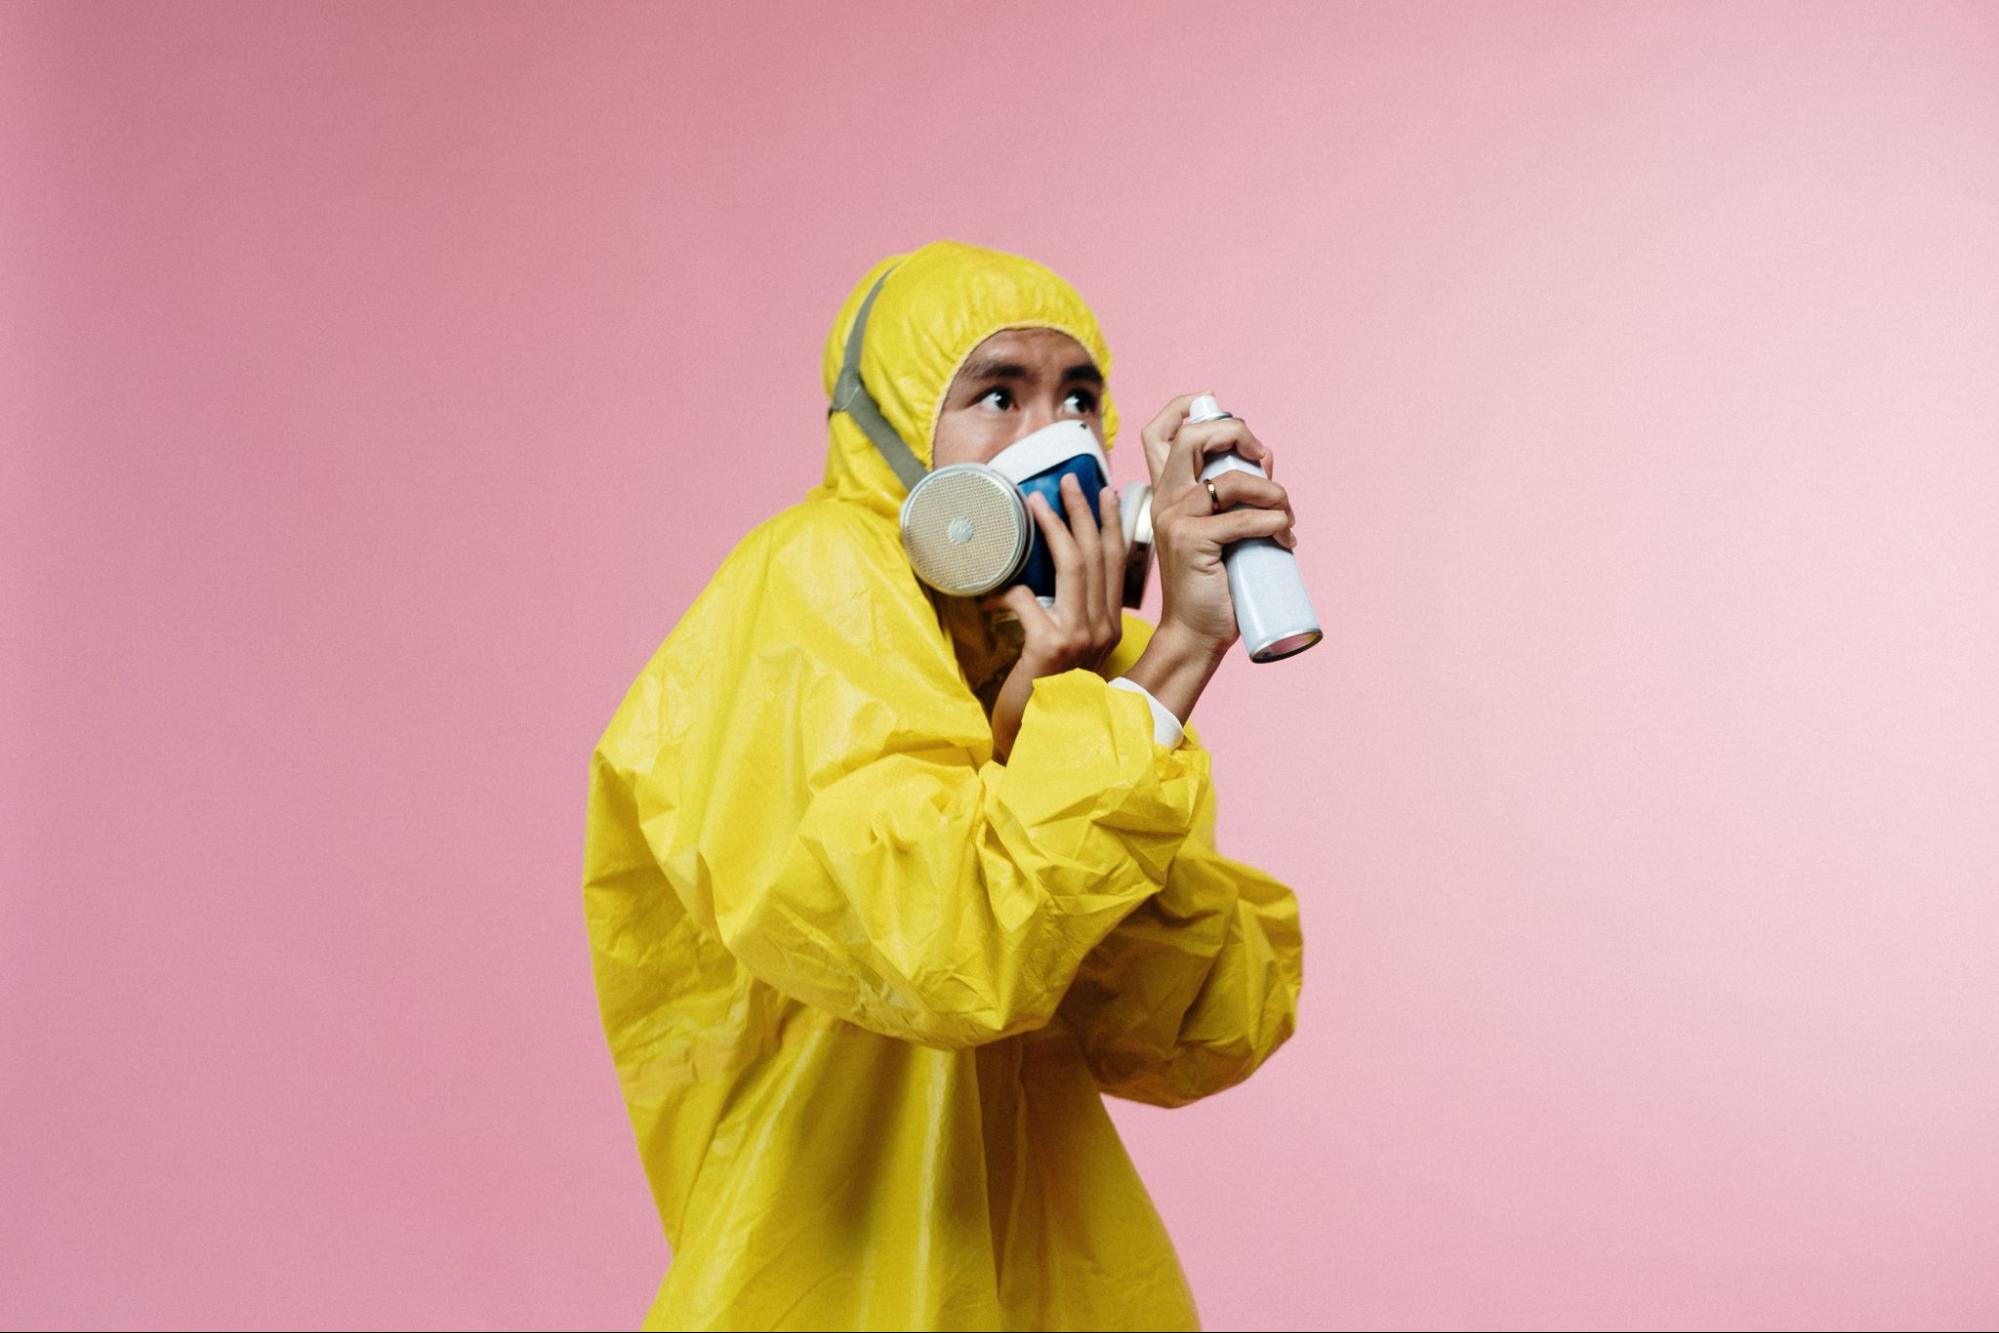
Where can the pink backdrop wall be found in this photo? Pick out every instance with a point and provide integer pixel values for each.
(379, 383)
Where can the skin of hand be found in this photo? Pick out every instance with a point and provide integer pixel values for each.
(1086, 622)
(1197, 624)
(1018, 381)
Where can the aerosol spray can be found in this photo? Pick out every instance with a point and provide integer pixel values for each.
(1271, 608)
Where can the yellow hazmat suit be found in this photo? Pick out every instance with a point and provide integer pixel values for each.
(863, 984)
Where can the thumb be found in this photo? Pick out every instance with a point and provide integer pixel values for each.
(1009, 598)
(1026, 608)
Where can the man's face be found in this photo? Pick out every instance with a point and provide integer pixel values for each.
(1013, 384)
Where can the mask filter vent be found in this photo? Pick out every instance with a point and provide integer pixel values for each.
(965, 529)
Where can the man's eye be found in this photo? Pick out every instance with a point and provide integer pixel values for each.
(1085, 400)
(1001, 392)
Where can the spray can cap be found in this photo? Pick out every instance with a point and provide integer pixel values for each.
(1205, 408)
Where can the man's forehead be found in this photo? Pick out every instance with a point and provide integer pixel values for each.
(1030, 353)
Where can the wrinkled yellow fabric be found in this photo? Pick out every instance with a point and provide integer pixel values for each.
(864, 986)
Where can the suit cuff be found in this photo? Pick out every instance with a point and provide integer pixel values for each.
(1166, 728)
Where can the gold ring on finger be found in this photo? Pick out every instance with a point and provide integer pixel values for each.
(1213, 498)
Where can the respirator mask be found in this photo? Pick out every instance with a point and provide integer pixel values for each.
(966, 527)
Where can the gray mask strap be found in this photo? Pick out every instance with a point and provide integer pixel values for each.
(852, 397)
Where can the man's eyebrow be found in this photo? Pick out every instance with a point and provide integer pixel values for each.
(998, 368)
(995, 368)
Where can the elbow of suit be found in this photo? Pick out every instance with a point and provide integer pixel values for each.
(1193, 1069)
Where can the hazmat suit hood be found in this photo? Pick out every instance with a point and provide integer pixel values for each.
(939, 303)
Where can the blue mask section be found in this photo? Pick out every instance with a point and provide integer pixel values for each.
(1039, 571)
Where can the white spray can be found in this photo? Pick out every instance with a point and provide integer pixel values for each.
(1271, 608)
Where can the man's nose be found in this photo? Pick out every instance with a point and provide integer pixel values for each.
(1033, 417)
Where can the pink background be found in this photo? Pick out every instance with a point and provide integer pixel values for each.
(379, 383)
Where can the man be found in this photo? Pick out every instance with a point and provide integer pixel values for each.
(883, 897)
